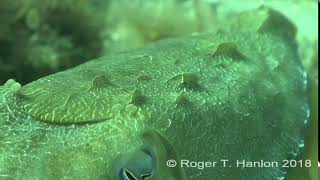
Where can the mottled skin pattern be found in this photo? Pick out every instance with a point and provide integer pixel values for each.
(204, 98)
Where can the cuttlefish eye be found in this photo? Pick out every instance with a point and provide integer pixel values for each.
(149, 161)
(139, 165)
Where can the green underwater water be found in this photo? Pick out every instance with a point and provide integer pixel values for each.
(237, 92)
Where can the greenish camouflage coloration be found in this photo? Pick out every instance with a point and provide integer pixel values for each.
(204, 98)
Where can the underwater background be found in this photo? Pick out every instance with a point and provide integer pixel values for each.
(39, 38)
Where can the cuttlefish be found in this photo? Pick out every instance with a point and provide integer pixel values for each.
(181, 108)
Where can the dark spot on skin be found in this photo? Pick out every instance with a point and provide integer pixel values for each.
(190, 81)
(100, 81)
(185, 81)
(137, 98)
(178, 61)
(228, 49)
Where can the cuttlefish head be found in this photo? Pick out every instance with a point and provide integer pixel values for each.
(110, 127)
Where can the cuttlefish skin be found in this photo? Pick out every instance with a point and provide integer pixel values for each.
(233, 96)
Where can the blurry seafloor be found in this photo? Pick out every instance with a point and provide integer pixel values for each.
(38, 38)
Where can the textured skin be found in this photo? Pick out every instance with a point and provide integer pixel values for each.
(204, 98)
